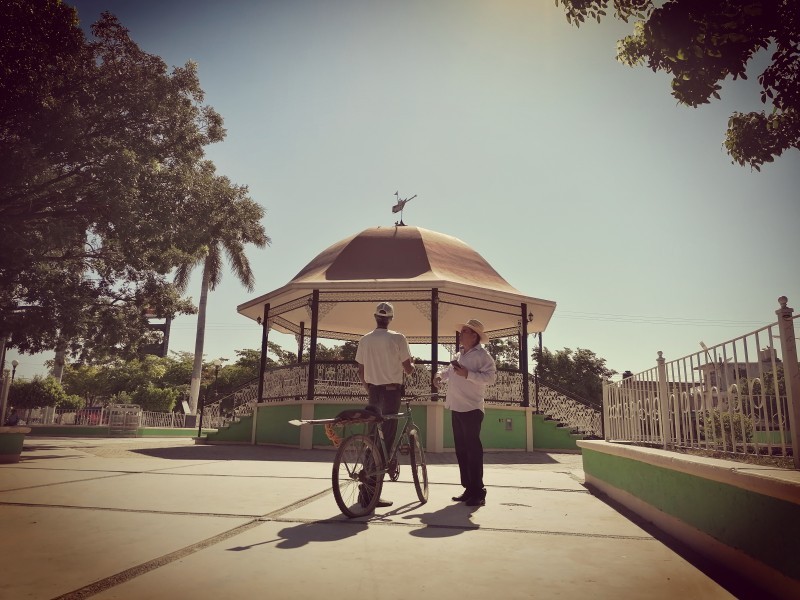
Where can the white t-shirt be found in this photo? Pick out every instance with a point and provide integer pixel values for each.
(383, 352)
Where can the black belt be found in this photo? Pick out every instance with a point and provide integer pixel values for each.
(386, 386)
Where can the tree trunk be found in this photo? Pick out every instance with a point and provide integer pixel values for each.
(197, 368)
(60, 360)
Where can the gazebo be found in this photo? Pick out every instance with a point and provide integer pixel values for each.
(435, 281)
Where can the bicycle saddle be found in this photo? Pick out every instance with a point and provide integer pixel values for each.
(368, 414)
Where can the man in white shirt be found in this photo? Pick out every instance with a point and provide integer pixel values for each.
(382, 356)
(468, 375)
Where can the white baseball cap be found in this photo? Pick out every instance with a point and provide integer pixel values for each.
(384, 309)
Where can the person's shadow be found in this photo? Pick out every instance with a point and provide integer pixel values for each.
(297, 536)
(445, 522)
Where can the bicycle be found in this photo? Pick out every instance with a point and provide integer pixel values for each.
(359, 469)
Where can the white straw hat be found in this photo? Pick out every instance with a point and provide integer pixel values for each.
(477, 327)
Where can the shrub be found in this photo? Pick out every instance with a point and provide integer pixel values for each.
(714, 426)
(36, 393)
(150, 397)
(71, 401)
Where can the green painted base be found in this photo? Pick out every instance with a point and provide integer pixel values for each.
(11, 443)
(548, 435)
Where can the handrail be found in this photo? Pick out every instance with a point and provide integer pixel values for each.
(572, 395)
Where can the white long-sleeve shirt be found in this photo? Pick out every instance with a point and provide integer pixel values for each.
(467, 394)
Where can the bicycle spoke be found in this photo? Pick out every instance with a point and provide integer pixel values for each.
(357, 478)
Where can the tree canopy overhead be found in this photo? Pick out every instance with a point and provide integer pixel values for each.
(105, 190)
(702, 43)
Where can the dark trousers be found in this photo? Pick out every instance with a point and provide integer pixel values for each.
(469, 450)
(387, 399)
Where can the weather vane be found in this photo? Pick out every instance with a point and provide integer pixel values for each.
(401, 202)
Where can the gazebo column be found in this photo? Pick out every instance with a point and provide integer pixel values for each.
(434, 336)
(523, 355)
(312, 351)
(262, 367)
(301, 340)
(434, 440)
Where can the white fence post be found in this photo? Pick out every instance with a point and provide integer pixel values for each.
(606, 404)
(791, 374)
(663, 408)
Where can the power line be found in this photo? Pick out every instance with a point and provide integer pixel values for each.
(655, 320)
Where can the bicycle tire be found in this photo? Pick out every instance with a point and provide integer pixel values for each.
(357, 476)
(419, 470)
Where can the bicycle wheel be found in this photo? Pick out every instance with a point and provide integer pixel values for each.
(419, 470)
(357, 476)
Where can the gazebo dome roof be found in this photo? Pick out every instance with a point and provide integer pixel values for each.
(402, 254)
(401, 265)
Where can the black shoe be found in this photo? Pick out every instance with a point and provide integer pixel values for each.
(464, 496)
(478, 499)
(384, 503)
(363, 499)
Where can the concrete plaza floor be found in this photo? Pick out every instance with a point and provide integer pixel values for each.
(164, 518)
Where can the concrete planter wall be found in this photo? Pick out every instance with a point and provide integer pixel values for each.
(11, 441)
(744, 517)
(504, 428)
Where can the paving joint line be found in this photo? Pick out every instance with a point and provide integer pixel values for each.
(124, 576)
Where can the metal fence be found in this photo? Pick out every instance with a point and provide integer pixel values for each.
(740, 398)
(50, 415)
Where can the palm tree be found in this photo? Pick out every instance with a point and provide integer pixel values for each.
(232, 221)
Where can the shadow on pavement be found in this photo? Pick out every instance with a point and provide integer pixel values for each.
(298, 536)
(445, 522)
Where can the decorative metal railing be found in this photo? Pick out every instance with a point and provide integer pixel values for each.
(241, 402)
(507, 389)
(731, 398)
(569, 409)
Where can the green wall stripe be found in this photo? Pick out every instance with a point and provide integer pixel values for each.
(765, 528)
(548, 434)
(273, 425)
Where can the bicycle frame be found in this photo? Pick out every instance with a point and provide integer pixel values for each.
(408, 426)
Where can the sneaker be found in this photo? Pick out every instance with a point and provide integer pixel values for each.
(384, 503)
(464, 496)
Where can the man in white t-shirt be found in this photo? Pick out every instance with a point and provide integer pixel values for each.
(382, 356)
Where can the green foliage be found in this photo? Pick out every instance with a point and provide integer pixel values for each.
(766, 385)
(701, 44)
(150, 397)
(71, 401)
(37, 392)
(105, 190)
(505, 352)
(177, 369)
(284, 356)
(580, 372)
(716, 426)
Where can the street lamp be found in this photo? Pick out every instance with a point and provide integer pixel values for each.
(716, 383)
(14, 365)
(217, 364)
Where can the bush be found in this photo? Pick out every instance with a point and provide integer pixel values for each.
(715, 426)
(36, 393)
(153, 398)
(71, 401)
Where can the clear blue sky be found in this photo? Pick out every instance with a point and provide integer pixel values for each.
(578, 178)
